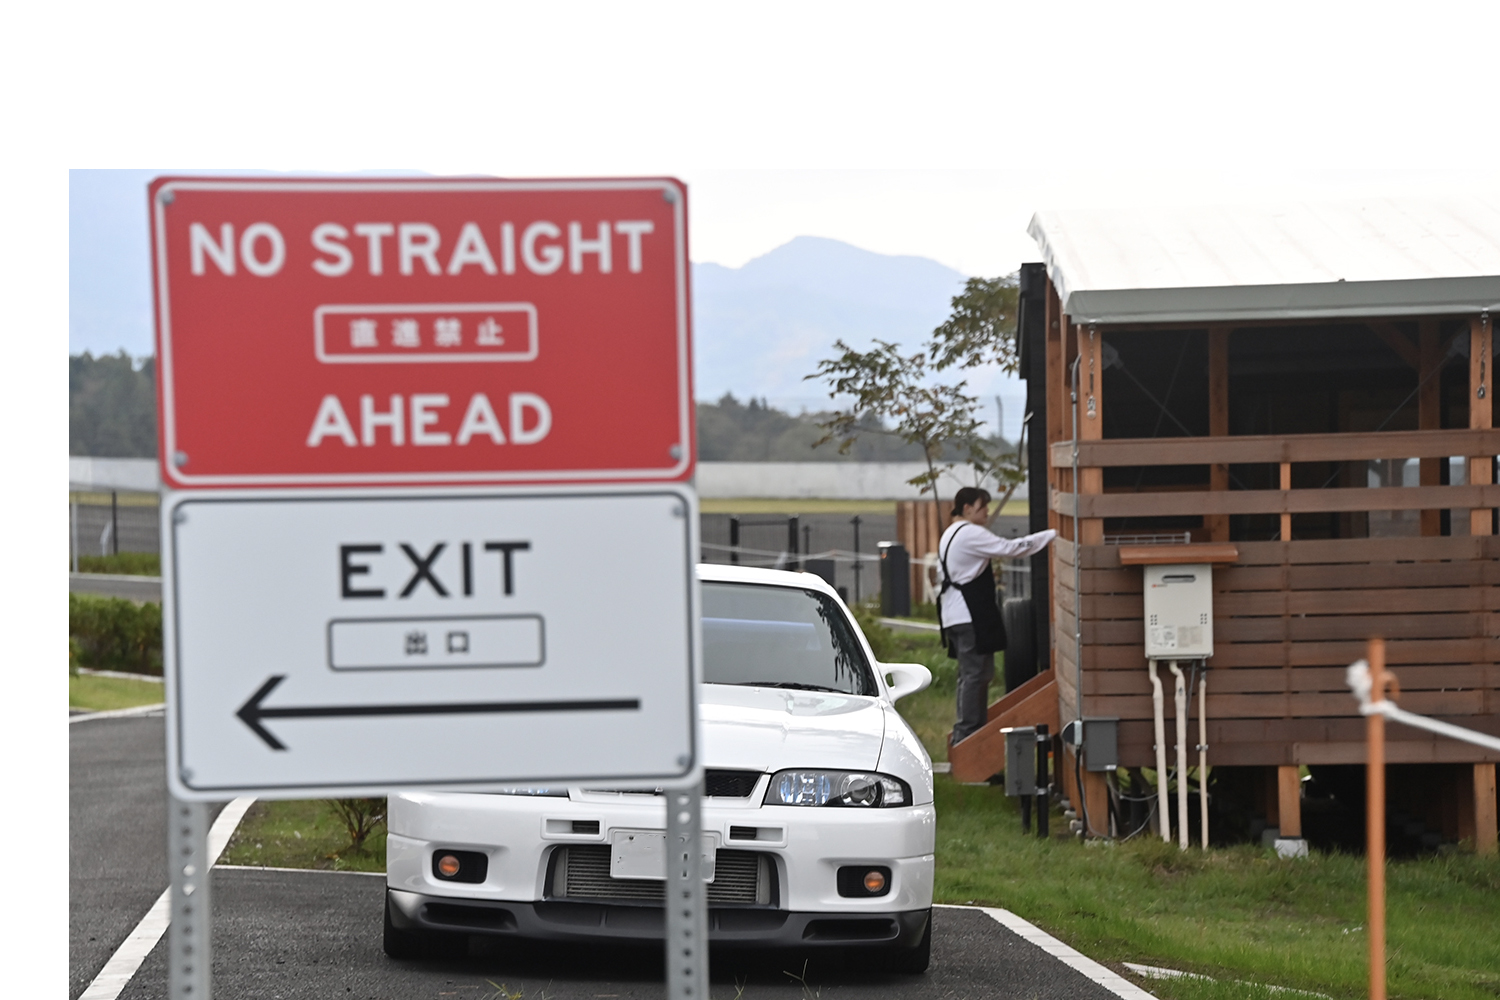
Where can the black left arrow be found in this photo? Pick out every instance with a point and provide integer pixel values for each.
(251, 713)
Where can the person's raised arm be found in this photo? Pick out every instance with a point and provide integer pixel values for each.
(987, 543)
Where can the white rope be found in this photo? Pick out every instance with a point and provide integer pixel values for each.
(1360, 682)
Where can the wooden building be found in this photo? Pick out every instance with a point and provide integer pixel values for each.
(1309, 390)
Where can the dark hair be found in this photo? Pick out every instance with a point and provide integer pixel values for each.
(966, 497)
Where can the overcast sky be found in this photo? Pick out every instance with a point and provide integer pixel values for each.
(934, 131)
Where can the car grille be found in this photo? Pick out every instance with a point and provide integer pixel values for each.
(729, 784)
(745, 878)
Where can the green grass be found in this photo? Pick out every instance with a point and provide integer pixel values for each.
(301, 833)
(1233, 913)
(105, 694)
(128, 563)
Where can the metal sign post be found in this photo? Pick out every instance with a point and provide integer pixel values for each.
(189, 951)
(428, 448)
(687, 909)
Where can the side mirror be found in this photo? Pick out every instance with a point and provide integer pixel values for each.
(905, 678)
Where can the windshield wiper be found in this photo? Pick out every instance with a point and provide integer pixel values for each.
(796, 685)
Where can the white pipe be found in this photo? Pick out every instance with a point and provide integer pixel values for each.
(1203, 754)
(1158, 717)
(1182, 708)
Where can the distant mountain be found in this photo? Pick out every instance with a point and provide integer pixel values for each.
(761, 327)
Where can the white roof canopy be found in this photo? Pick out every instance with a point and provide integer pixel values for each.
(1344, 259)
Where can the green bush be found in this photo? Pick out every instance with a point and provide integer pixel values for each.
(128, 563)
(110, 633)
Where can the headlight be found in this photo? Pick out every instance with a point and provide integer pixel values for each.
(836, 788)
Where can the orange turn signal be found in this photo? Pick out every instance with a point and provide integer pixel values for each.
(874, 881)
(448, 866)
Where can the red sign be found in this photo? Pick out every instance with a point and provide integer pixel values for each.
(379, 332)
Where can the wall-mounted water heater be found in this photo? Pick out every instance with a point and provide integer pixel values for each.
(1179, 611)
(1178, 587)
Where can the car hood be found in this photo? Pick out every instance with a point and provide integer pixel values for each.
(772, 728)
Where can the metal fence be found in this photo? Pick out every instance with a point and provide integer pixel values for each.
(840, 547)
(103, 524)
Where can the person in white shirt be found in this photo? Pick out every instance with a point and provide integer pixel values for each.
(968, 612)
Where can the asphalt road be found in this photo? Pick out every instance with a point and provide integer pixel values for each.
(289, 935)
(282, 935)
(117, 847)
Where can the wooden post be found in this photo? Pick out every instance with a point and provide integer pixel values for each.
(1289, 800)
(1375, 822)
(1090, 422)
(1485, 839)
(1430, 412)
(1056, 431)
(1096, 794)
(1481, 411)
(1218, 422)
(1286, 484)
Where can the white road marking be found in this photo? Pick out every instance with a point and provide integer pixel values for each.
(302, 871)
(1112, 981)
(117, 675)
(118, 713)
(1157, 972)
(122, 965)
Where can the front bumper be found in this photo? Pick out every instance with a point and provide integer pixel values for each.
(558, 920)
(520, 836)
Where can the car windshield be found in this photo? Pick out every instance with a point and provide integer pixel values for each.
(781, 637)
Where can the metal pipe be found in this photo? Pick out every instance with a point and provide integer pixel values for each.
(858, 566)
(734, 539)
(1077, 565)
(114, 521)
(1203, 756)
(1158, 717)
(1043, 782)
(1182, 708)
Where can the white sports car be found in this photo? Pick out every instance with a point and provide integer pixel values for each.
(818, 802)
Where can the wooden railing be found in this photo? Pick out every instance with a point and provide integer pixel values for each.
(1279, 450)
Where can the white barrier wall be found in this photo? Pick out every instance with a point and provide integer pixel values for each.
(136, 474)
(720, 480)
(820, 480)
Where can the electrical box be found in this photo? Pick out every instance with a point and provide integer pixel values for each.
(1020, 760)
(1101, 743)
(1179, 612)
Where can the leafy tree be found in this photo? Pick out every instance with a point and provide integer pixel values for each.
(753, 431)
(111, 406)
(981, 330)
(886, 385)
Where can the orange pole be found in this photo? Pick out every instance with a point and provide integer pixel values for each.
(1375, 821)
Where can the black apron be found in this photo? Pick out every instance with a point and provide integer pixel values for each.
(981, 598)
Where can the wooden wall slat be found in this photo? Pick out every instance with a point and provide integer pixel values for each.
(1299, 704)
(1337, 653)
(1364, 550)
(1250, 680)
(1275, 449)
(1208, 502)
